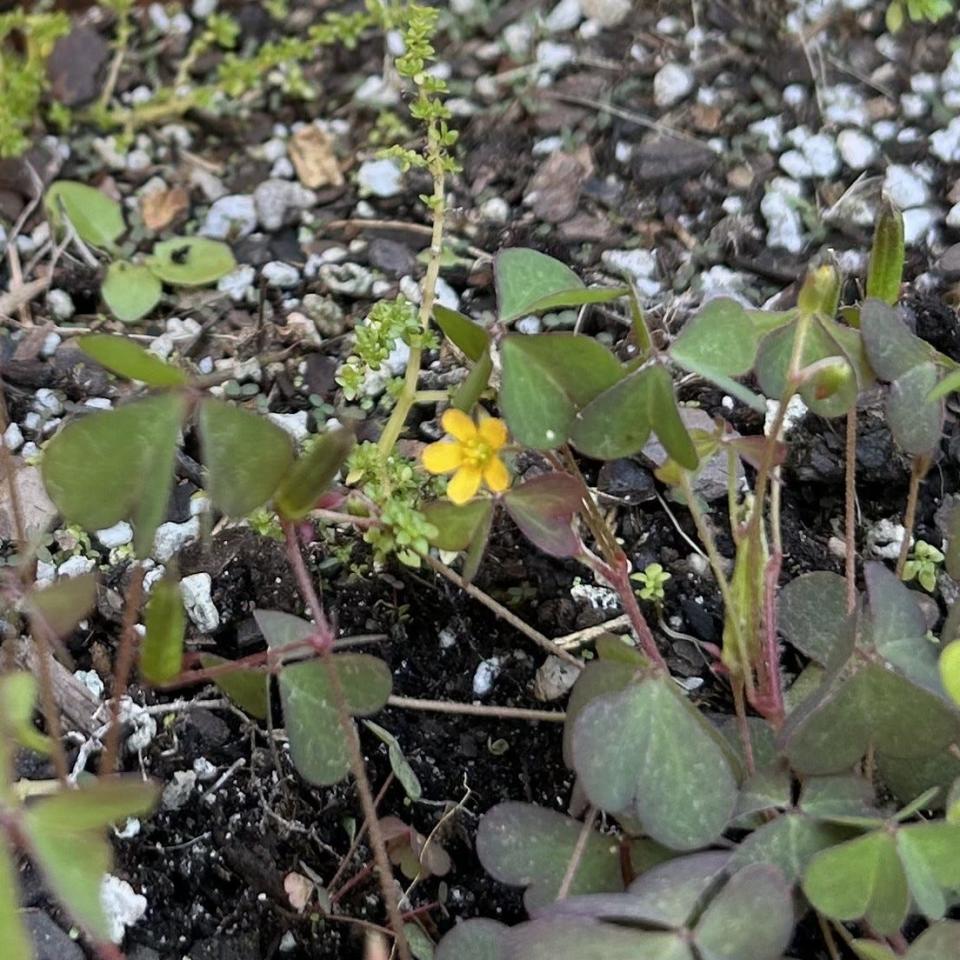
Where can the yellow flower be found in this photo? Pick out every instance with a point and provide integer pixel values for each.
(470, 455)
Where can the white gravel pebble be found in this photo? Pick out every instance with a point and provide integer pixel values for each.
(565, 16)
(171, 537)
(953, 221)
(904, 186)
(945, 144)
(380, 178)
(60, 304)
(771, 129)
(554, 56)
(233, 216)
(198, 602)
(295, 424)
(116, 536)
(485, 676)
(122, 906)
(672, 83)
(779, 209)
(238, 283)
(918, 222)
(608, 13)
(277, 273)
(857, 149)
(76, 566)
(277, 202)
(177, 792)
(13, 437)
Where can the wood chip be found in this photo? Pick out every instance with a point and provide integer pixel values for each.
(159, 208)
(311, 151)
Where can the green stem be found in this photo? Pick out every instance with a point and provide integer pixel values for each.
(408, 395)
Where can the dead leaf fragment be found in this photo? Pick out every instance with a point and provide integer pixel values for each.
(314, 159)
(36, 509)
(159, 208)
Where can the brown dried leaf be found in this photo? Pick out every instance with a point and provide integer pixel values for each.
(314, 159)
(159, 208)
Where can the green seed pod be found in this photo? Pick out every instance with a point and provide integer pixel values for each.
(885, 273)
(820, 293)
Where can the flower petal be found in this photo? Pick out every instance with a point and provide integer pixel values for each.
(458, 425)
(442, 457)
(496, 476)
(494, 431)
(464, 485)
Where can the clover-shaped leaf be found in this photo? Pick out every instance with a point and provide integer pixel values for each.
(313, 473)
(245, 686)
(915, 421)
(529, 846)
(811, 610)
(318, 744)
(457, 524)
(525, 277)
(65, 603)
(161, 652)
(115, 465)
(544, 509)
(892, 348)
(130, 290)
(475, 939)
(461, 331)
(674, 753)
(246, 456)
(124, 357)
(97, 218)
(547, 378)
(191, 261)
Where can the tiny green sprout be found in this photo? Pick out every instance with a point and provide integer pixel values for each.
(923, 565)
(652, 579)
(917, 10)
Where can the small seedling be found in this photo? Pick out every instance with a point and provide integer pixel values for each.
(924, 565)
(652, 579)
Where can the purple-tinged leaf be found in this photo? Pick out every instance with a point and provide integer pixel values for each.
(544, 509)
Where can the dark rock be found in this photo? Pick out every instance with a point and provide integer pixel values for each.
(49, 941)
(663, 161)
(220, 947)
(949, 262)
(208, 728)
(554, 190)
(626, 480)
(393, 258)
(74, 66)
(320, 374)
(702, 624)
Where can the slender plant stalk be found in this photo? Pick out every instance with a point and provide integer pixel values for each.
(850, 510)
(360, 834)
(123, 669)
(501, 611)
(918, 470)
(577, 855)
(325, 649)
(477, 710)
(408, 395)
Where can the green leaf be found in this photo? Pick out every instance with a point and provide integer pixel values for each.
(18, 695)
(618, 422)
(97, 219)
(871, 950)
(129, 360)
(456, 525)
(885, 272)
(117, 464)
(545, 509)
(751, 918)
(246, 456)
(861, 878)
(915, 422)
(950, 670)
(788, 842)
(191, 261)
(839, 799)
(938, 845)
(674, 753)
(891, 347)
(524, 845)
(282, 630)
(245, 686)
(17, 945)
(721, 339)
(811, 611)
(472, 339)
(398, 762)
(576, 298)
(598, 677)
(938, 942)
(550, 938)
(476, 939)
(313, 473)
(161, 653)
(667, 423)
(317, 740)
(130, 290)
(546, 379)
(65, 834)
(926, 892)
(523, 277)
(949, 384)
(906, 777)
(65, 603)
(472, 388)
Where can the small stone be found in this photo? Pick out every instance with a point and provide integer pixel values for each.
(904, 186)
(172, 537)
(76, 566)
(844, 105)
(795, 164)
(138, 161)
(918, 222)
(349, 279)
(885, 538)
(627, 481)
(178, 791)
(13, 437)
(608, 13)
(230, 218)
(770, 129)
(295, 424)
(198, 602)
(116, 536)
(60, 304)
(380, 178)
(278, 202)
(528, 325)
(201, 9)
(122, 906)
(376, 92)
(857, 149)
(912, 105)
(945, 144)
(672, 83)
(496, 209)
(204, 769)
(50, 343)
(238, 283)
(821, 151)
(280, 274)
(485, 676)
(779, 209)
(49, 941)
(552, 57)
(950, 78)
(953, 221)
(565, 16)
(47, 403)
(637, 266)
(795, 95)
(554, 678)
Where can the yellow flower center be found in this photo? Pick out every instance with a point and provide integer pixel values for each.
(476, 452)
